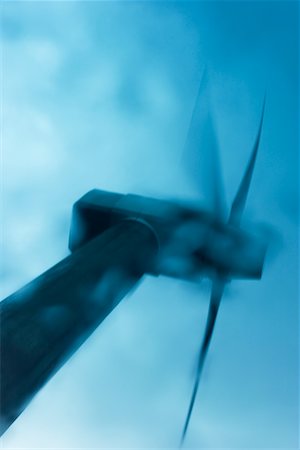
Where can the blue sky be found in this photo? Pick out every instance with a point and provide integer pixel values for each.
(100, 94)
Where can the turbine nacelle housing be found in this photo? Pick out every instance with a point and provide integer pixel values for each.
(193, 243)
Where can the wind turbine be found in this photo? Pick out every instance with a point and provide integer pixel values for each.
(114, 240)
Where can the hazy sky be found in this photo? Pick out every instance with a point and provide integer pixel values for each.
(99, 95)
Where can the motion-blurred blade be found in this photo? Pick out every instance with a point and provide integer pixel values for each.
(239, 201)
(201, 156)
(216, 296)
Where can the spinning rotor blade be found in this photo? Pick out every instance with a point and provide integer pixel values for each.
(195, 135)
(239, 201)
(216, 296)
(200, 155)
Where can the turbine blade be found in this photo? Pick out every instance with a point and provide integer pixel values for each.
(201, 156)
(239, 202)
(215, 299)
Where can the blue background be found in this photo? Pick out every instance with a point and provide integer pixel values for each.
(100, 94)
